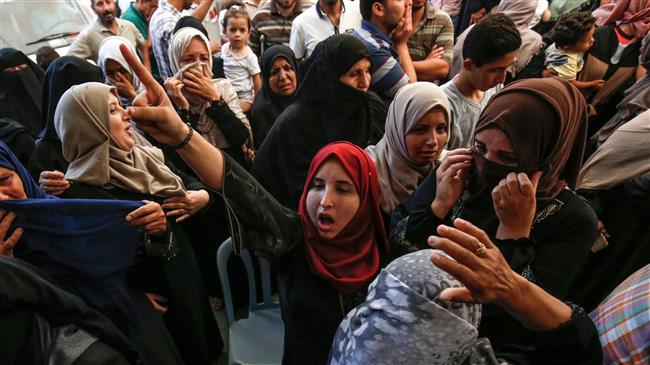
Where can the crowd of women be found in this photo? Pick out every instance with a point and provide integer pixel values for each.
(531, 247)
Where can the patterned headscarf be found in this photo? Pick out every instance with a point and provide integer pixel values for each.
(403, 321)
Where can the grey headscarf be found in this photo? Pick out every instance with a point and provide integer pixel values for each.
(205, 126)
(403, 321)
(82, 122)
(398, 174)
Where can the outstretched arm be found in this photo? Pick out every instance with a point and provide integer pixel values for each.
(154, 113)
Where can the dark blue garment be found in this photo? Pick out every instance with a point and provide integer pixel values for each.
(86, 245)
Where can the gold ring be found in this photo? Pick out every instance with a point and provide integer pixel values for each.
(481, 250)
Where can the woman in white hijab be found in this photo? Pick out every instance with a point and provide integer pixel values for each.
(417, 128)
(116, 71)
(210, 105)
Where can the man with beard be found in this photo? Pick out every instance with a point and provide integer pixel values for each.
(162, 25)
(271, 23)
(385, 30)
(87, 44)
(139, 13)
(326, 18)
(432, 44)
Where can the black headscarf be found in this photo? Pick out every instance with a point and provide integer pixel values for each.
(325, 111)
(62, 74)
(18, 138)
(191, 22)
(268, 105)
(20, 91)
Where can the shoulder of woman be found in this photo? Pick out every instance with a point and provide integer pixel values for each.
(569, 213)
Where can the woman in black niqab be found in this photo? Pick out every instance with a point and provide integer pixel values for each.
(325, 110)
(21, 86)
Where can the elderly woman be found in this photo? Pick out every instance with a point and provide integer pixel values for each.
(332, 104)
(209, 105)
(106, 163)
(515, 183)
(416, 131)
(279, 83)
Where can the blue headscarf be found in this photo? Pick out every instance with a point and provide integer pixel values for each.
(85, 245)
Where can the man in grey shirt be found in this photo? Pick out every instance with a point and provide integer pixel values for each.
(489, 49)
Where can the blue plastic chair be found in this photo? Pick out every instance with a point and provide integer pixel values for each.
(259, 338)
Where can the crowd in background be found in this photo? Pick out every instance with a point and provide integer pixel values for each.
(433, 181)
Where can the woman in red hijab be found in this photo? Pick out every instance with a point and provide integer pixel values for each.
(326, 254)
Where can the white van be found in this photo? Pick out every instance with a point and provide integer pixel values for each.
(27, 25)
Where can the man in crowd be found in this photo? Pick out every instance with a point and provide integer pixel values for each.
(139, 13)
(432, 44)
(87, 44)
(271, 24)
(385, 30)
(162, 25)
(488, 51)
(326, 18)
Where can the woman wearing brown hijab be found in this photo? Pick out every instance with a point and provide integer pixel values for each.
(515, 183)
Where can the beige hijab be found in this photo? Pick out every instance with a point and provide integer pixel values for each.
(624, 155)
(205, 125)
(82, 122)
(398, 174)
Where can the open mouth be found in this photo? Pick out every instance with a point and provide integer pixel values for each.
(325, 222)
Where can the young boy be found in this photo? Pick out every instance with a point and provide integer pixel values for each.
(573, 35)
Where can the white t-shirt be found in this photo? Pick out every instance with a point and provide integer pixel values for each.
(239, 69)
(313, 25)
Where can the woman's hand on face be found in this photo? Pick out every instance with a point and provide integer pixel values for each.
(487, 278)
(450, 178)
(7, 244)
(199, 84)
(152, 110)
(515, 204)
(149, 217)
(124, 87)
(174, 91)
(53, 182)
(184, 207)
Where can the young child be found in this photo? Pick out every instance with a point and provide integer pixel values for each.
(239, 62)
(573, 36)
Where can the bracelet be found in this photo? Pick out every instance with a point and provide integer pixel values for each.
(187, 138)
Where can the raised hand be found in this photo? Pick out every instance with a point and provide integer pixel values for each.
(152, 110)
(515, 204)
(450, 177)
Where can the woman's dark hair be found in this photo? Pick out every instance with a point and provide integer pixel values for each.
(494, 36)
(571, 28)
(236, 10)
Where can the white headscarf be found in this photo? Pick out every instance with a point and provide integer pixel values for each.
(110, 50)
(206, 126)
(398, 174)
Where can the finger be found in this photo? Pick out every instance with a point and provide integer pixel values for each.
(182, 218)
(455, 269)
(54, 183)
(452, 171)
(472, 230)
(525, 185)
(57, 175)
(454, 159)
(155, 227)
(468, 242)
(457, 295)
(147, 208)
(7, 220)
(138, 68)
(535, 178)
(460, 151)
(145, 113)
(512, 183)
(497, 200)
(175, 205)
(176, 212)
(457, 251)
(10, 243)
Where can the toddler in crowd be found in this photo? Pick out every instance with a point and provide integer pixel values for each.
(573, 35)
(239, 62)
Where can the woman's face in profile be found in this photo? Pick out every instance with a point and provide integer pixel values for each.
(332, 199)
(119, 124)
(11, 186)
(358, 76)
(283, 78)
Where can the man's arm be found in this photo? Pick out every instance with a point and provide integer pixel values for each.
(80, 48)
(202, 10)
